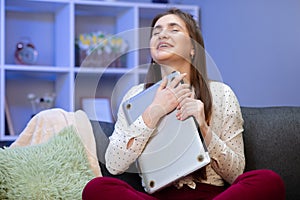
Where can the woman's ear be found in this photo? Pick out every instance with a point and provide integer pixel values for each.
(192, 54)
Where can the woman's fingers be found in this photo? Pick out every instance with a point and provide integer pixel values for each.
(163, 84)
(176, 81)
(169, 95)
(186, 93)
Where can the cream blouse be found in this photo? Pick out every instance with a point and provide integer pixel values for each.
(225, 143)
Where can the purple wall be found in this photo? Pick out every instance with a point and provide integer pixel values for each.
(256, 46)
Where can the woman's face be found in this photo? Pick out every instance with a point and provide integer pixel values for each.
(170, 43)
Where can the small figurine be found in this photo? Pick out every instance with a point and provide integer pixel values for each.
(41, 103)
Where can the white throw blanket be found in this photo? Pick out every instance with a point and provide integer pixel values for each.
(47, 123)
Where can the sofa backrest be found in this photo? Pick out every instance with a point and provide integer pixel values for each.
(271, 138)
(272, 141)
(102, 130)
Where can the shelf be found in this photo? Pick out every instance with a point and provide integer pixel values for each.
(52, 26)
(36, 68)
(87, 70)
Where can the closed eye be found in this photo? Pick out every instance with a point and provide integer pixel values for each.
(155, 33)
(156, 30)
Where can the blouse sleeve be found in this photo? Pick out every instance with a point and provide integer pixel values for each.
(118, 156)
(226, 147)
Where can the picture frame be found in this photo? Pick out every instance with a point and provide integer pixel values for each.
(97, 108)
(9, 128)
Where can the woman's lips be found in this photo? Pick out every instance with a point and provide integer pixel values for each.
(162, 45)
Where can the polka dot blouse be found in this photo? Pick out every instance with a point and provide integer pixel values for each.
(224, 141)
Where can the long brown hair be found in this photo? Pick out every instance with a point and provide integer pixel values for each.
(198, 75)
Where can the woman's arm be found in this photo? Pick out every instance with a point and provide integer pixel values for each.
(225, 140)
(223, 135)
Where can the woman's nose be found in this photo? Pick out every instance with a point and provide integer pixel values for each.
(163, 34)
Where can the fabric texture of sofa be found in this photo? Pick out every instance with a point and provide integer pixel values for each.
(271, 138)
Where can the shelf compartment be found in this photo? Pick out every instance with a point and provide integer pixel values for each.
(46, 24)
(19, 84)
(103, 85)
(109, 19)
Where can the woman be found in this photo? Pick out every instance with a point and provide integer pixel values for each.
(176, 44)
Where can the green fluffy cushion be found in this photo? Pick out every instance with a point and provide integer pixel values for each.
(57, 169)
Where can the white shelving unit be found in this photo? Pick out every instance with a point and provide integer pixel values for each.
(52, 26)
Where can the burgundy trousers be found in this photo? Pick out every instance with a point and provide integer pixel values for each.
(252, 185)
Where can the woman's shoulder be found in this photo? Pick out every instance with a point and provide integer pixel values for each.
(222, 91)
(220, 87)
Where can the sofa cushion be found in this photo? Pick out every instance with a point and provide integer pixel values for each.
(57, 169)
(271, 138)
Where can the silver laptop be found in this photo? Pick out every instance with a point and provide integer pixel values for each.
(174, 151)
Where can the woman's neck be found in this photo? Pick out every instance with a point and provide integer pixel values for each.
(166, 70)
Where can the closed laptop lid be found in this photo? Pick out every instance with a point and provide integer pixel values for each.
(175, 149)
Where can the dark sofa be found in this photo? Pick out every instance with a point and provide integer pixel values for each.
(271, 138)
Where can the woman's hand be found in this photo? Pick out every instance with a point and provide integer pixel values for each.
(190, 106)
(166, 99)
